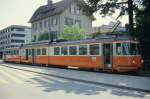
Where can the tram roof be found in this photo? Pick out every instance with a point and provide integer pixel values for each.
(104, 38)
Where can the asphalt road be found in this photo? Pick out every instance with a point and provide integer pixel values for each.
(17, 84)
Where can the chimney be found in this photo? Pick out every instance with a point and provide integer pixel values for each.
(49, 3)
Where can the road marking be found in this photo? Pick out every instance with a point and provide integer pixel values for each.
(3, 81)
(45, 79)
(28, 77)
(23, 76)
(11, 77)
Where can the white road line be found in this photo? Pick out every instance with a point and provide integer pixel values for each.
(29, 76)
(20, 75)
(11, 77)
(3, 81)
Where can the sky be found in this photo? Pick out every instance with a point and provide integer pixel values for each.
(18, 12)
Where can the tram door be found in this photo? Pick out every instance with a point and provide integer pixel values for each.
(33, 56)
(107, 56)
(27, 55)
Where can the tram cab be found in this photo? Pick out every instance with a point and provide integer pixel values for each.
(122, 55)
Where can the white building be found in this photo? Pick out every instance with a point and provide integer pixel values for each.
(52, 18)
(14, 36)
(109, 28)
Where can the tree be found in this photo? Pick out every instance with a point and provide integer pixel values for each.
(143, 28)
(97, 34)
(108, 7)
(43, 36)
(72, 33)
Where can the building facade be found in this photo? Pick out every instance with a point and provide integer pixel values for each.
(14, 36)
(49, 20)
(109, 28)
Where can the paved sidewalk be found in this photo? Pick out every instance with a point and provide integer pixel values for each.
(121, 81)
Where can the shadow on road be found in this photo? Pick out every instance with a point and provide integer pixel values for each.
(69, 86)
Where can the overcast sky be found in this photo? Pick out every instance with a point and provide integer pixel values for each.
(18, 12)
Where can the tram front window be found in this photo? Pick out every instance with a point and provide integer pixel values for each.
(134, 49)
(127, 49)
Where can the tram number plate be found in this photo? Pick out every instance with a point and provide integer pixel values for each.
(93, 58)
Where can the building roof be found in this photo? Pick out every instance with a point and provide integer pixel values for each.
(50, 10)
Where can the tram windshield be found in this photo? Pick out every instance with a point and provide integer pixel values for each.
(127, 49)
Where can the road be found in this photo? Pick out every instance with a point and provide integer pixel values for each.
(17, 84)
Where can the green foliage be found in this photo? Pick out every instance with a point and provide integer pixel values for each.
(143, 28)
(109, 7)
(72, 33)
(43, 36)
(97, 34)
(106, 7)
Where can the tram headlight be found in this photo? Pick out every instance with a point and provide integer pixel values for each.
(133, 61)
(142, 61)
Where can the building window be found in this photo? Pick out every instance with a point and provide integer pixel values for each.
(83, 50)
(53, 35)
(64, 51)
(40, 24)
(77, 10)
(73, 50)
(17, 41)
(94, 49)
(18, 29)
(33, 26)
(54, 21)
(69, 21)
(78, 23)
(56, 51)
(18, 35)
(72, 10)
(45, 23)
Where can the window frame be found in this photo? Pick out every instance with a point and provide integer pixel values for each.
(58, 53)
(87, 53)
(99, 49)
(38, 51)
(66, 51)
(76, 50)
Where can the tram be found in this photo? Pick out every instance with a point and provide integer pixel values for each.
(114, 53)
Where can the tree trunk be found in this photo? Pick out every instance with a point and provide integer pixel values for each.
(130, 11)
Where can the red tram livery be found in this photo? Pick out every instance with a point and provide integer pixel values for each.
(109, 53)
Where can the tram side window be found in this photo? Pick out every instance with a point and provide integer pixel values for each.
(118, 49)
(64, 51)
(73, 50)
(94, 49)
(56, 51)
(17, 52)
(43, 51)
(83, 50)
(11, 52)
(38, 51)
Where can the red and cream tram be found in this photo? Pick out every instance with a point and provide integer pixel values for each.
(110, 52)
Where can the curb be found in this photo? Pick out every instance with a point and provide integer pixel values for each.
(84, 81)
